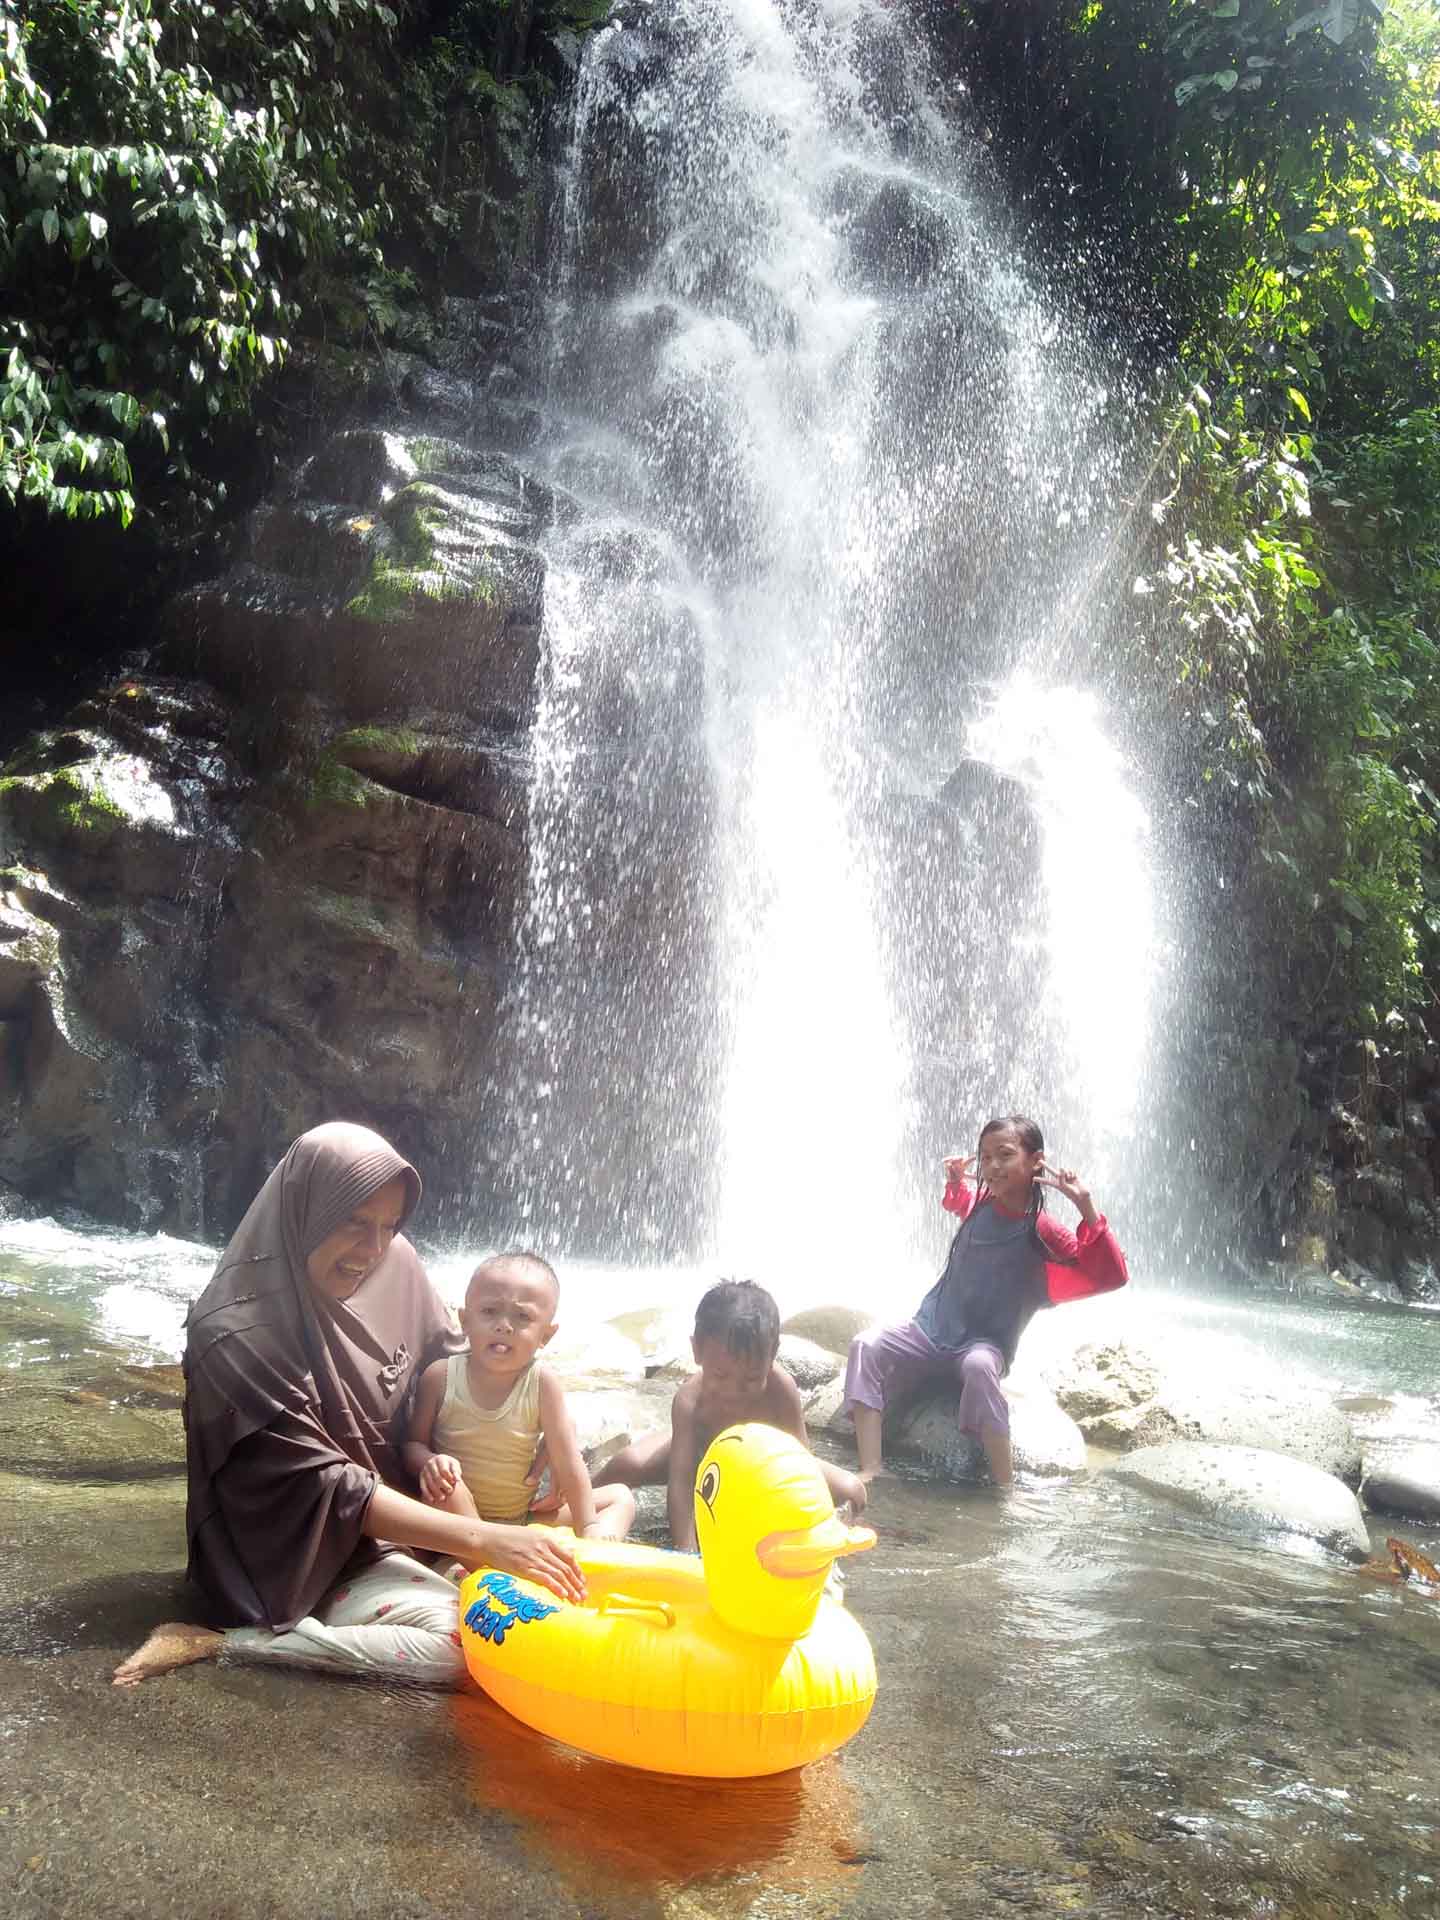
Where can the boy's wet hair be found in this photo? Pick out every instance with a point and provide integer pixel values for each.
(519, 1265)
(743, 1315)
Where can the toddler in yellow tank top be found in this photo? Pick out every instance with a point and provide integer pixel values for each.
(481, 1415)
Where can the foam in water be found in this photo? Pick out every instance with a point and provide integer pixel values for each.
(841, 469)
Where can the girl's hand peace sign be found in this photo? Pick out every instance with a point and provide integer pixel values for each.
(957, 1166)
(1065, 1180)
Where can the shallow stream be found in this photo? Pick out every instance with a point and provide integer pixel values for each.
(1089, 1704)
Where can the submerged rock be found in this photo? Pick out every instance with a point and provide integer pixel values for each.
(1404, 1480)
(1253, 1489)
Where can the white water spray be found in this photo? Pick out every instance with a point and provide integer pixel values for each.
(832, 452)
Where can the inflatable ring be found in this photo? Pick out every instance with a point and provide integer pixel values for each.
(734, 1665)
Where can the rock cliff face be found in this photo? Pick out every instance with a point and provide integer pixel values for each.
(271, 874)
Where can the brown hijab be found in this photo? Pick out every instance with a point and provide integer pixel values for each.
(295, 1403)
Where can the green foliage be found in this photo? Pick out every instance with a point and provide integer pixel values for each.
(1298, 571)
(194, 182)
(175, 168)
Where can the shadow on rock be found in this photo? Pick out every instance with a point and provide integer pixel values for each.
(115, 1611)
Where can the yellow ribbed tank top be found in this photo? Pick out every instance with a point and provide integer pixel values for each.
(494, 1445)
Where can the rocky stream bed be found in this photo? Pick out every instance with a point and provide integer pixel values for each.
(1095, 1698)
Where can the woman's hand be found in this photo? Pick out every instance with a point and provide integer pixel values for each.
(439, 1478)
(534, 1555)
(957, 1166)
(1065, 1180)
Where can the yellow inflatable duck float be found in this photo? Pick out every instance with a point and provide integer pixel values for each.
(736, 1666)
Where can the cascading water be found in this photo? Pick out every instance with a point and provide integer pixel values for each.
(843, 477)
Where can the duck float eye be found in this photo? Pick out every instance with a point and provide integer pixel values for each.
(709, 1486)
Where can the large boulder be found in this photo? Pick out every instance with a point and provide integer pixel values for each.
(663, 1337)
(1305, 1426)
(808, 1364)
(222, 918)
(1043, 1437)
(1110, 1378)
(1258, 1492)
(591, 1355)
(1125, 1397)
(825, 1408)
(1404, 1480)
(830, 1327)
(607, 1419)
(400, 571)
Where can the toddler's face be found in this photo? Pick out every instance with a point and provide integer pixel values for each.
(507, 1320)
(735, 1383)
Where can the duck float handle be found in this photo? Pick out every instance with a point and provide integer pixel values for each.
(736, 1665)
(630, 1603)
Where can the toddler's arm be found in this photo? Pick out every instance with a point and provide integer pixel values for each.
(437, 1473)
(567, 1464)
(684, 1459)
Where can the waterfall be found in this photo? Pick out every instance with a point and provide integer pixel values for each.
(823, 819)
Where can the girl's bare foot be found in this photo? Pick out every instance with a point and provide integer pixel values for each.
(867, 1474)
(175, 1644)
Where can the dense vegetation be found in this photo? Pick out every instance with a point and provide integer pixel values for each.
(208, 209)
(194, 184)
(199, 190)
(1274, 167)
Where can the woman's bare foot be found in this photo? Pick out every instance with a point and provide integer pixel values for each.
(867, 1474)
(175, 1644)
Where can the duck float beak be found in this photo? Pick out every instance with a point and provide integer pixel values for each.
(798, 1551)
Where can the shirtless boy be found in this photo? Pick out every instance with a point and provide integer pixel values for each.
(737, 1335)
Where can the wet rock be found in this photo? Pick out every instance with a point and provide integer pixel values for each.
(1124, 1397)
(1043, 1437)
(1416, 1279)
(1253, 1490)
(807, 1362)
(901, 235)
(663, 1337)
(1121, 1429)
(825, 1409)
(50, 1429)
(606, 1421)
(1404, 1481)
(590, 1354)
(830, 1327)
(1308, 1428)
(400, 572)
(1098, 1380)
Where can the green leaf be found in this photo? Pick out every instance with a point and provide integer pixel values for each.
(1299, 402)
(50, 225)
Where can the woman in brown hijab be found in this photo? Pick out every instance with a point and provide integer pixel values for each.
(300, 1358)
